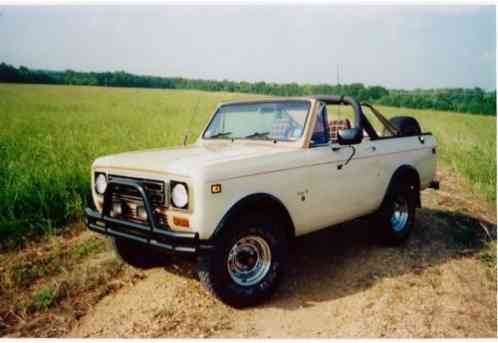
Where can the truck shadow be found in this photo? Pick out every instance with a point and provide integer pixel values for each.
(346, 259)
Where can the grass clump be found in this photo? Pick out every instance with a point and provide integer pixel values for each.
(45, 298)
(24, 274)
(24, 270)
(487, 255)
(88, 248)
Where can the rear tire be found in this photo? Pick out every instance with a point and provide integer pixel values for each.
(136, 254)
(407, 126)
(247, 263)
(396, 217)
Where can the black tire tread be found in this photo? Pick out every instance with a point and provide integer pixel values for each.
(386, 234)
(204, 275)
(209, 272)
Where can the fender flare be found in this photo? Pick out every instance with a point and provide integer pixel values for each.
(256, 201)
(405, 172)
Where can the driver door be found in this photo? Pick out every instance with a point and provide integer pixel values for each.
(338, 191)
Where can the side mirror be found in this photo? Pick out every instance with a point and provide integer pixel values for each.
(350, 136)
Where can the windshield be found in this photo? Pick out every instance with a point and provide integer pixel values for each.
(280, 120)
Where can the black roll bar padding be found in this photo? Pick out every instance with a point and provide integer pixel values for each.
(360, 121)
(343, 100)
(387, 124)
(138, 185)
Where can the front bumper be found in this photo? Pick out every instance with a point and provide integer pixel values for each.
(148, 234)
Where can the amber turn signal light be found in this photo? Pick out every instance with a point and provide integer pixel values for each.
(181, 222)
(216, 188)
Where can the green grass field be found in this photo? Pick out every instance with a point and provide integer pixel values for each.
(50, 135)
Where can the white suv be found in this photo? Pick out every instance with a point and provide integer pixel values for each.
(261, 173)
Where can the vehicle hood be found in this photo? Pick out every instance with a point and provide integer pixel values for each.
(229, 159)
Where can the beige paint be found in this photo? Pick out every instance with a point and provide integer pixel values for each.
(286, 170)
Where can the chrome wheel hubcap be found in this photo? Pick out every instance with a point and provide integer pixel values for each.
(399, 217)
(249, 260)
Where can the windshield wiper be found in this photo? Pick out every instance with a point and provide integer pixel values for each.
(220, 135)
(258, 135)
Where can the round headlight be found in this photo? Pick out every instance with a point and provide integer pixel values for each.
(100, 184)
(179, 195)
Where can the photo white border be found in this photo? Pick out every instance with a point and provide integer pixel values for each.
(251, 2)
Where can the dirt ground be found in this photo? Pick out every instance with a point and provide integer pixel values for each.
(441, 283)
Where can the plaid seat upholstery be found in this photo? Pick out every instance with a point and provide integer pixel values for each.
(337, 125)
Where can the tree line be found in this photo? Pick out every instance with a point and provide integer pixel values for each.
(466, 100)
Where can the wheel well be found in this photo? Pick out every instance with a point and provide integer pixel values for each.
(259, 202)
(407, 174)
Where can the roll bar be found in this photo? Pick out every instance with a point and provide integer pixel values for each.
(387, 124)
(360, 121)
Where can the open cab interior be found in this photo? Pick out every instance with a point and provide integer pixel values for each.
(337, 119)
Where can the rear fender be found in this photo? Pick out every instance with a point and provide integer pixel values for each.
(405, 174)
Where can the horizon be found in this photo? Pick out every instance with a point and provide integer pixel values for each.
(238, 81)
(423, 47)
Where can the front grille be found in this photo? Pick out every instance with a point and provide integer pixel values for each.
(131, 202)
(155, 190)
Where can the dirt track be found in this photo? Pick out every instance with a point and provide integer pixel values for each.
(442, 283)
(340, 284)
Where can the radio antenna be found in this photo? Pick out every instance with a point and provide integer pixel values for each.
(338, 78)
(188, 130)
(338, 86)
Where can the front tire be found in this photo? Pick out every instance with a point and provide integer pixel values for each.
(396, 217)
(247, 262)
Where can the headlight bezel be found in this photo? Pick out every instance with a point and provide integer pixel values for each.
(96, 183)
(173, 185)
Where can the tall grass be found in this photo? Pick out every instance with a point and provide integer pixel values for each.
(466, 144)
(50, 135)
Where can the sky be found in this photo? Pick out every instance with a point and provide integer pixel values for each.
(393, 46)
